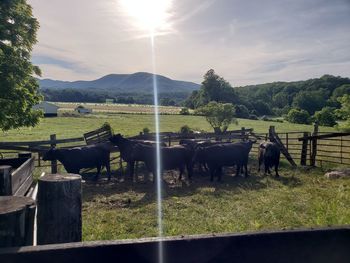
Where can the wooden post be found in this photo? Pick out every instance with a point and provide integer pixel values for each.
(5, 180)
(271, 132)
(169, 140)
(16, 221)
(314, 146)
(243, 136)
(59, 209)
(287, 141)
(304, 149)
(54, 162)
(341, 149)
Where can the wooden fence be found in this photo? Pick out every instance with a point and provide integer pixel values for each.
(303, 147)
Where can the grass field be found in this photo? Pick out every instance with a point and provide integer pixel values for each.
(120, 209)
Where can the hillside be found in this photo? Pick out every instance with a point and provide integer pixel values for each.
(140, 82)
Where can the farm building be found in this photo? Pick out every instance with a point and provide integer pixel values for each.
(49, 109)
(82, 110)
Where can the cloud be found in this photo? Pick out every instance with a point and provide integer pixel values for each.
(246, 42)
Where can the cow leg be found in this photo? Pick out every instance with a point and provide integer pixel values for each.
(131, 170)
(212, 172)
(98, 172)
(181, 170)
(276, 170)
(189, 171)
(238, 170)
(135, 169)
(108, 168)
(219, 172)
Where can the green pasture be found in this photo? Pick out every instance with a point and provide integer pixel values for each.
(122, 209)
(132, 124)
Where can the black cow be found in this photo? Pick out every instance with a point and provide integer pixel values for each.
(126, 147)
(74, 159)
(219, 155)
(172, 157)
(269, 153)
(247, 147)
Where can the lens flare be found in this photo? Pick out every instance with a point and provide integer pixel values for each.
(151, 15)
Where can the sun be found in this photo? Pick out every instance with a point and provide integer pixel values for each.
(151, 15)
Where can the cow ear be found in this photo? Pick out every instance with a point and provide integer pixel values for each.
(262, 146)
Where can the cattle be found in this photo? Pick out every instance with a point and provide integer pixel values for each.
(269, 154)
(74, 159)
(126, 149)
(172, 157)
(247, 147)
(219, 155)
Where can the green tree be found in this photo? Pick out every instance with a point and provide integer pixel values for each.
(344, 112)
(298, 116)
(310, 101)
(241, 111)
(19, 90)
(325, 117)
(214, 88)
(219, 115)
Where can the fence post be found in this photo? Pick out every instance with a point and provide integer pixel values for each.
(341, 149)
(287, 141)
(243, 134)
(271, 132)
(314, 145)
(16, 221)
(304, 149)
(169, 140)
(54, 162)
(5, 180)
(59, 209)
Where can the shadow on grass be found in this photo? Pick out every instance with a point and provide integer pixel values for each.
(124, 189)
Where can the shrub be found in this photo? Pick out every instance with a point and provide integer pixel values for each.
(185, 111)
(218, 115)
(325, 117)
(253, 117)
(186, 129)
(241, 111)
(107, 126)
(298, 116)
(145, 130)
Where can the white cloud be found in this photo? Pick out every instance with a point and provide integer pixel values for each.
(244, 41)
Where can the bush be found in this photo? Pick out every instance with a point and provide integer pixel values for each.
(185, 111)
(186, 129)
(241, 111)
(107, 126)
(298, 116)
(145, 130)
(253, 117)
(325, 117)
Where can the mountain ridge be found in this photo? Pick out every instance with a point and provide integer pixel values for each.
(139, 82)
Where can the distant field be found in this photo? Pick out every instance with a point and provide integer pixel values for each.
(132, 124)
(119, 108)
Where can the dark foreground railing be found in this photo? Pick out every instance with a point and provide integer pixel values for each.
(318, 245)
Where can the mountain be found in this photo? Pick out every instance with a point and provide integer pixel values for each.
(140, 82)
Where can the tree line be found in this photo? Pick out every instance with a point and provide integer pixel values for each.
(319, 99)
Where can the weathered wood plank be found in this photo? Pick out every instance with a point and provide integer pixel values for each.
(288, 246)
(20, 176)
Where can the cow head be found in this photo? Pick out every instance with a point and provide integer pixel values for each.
(116, 139)
(50, 155)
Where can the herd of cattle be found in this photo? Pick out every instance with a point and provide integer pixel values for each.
(212, 156)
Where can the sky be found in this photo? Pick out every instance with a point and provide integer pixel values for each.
(244, 41)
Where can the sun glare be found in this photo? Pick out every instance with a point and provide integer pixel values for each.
(150, 15)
